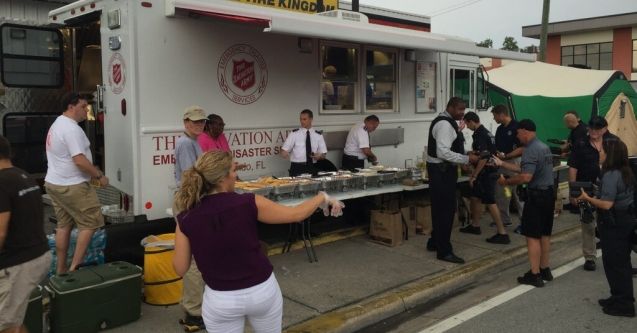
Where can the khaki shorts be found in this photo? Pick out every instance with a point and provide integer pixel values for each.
(16, 284)
(76, 204)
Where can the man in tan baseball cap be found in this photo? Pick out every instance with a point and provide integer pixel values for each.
(187, 150)
(194, 113)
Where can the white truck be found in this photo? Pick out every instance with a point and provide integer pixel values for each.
(257, 67)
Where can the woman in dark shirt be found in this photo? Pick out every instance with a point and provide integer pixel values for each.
(616, 220)
(218, 227)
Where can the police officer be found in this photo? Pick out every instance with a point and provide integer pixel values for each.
(583, 165)
(509, 149)
(579, 130)
(616, 218)
(536, 170)
(304, 146)
(357, 147)
(445, 151)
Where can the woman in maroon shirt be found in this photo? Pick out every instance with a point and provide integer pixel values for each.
(219, 228)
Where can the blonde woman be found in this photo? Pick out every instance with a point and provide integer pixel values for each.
(219, 228)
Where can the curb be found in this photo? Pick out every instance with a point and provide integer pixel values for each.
(382, 306)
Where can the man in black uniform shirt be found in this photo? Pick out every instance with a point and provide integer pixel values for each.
(584, 167)
(579, 130)
(509, 149)
(483, 181)
(24, 252)
(445, 151)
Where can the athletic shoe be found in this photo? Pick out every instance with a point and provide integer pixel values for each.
(589, 265)
(531, 279)
(506, 224)
(499, 239)
(471, 230)
(614, 310)
(546, 275)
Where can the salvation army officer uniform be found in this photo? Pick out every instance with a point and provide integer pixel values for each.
(301, 144)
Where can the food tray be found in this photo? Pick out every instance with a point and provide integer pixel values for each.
(264, 191)
(329, 184)
(284, 188)
(370, 180)
(402, 174)
(307, 188)
(387, 177)
(353, 182)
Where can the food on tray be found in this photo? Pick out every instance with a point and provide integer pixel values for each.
(271, 181)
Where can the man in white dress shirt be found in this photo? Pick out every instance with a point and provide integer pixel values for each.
(304, 146)
(357, 147)
(445, 152)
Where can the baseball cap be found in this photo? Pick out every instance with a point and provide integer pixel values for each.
(194, 113)
(527, 124)
(597, 122)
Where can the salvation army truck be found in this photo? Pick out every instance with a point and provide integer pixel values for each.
(255, 65)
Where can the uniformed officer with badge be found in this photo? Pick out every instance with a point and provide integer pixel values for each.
(304, 146)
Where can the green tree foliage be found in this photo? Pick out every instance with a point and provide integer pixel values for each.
(486, 43)
(510, 44)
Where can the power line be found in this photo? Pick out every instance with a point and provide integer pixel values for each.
(452, 8)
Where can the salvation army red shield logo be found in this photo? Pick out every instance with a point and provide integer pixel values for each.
(242, 74)
(117, 73)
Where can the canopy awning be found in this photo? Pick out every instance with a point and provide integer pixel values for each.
(317, 26)
(542, 79)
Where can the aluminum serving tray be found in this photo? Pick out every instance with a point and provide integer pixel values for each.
(285, 191)
(386, 177)
(329, 184)
(307, 188)
(264, 191)
(370, 180)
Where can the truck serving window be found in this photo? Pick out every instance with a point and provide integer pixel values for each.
(339, 78)
(380, 85)
(31, 57)
(462, 84)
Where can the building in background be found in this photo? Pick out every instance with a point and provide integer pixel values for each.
(604, 42)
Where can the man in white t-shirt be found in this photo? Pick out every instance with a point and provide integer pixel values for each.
(70, 168)
(357, 147)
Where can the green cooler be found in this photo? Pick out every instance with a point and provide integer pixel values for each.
(33, 316)
(95, 298)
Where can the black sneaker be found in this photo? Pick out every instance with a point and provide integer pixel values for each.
(506, 224)
(531, 279)
(518, 229)
(471, 230)
(589, 265)
(605, 302)
(192, 323)
(624, 311)
(546, 275)
(499, 239)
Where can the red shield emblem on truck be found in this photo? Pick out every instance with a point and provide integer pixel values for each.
(243, 74)
(117, 73)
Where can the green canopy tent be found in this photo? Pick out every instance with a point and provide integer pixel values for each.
(544, 92)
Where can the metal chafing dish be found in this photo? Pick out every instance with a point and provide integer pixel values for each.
(370, 180)
(253, 187)
(329, 184)
(306, 187)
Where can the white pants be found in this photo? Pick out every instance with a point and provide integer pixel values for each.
(226, 311)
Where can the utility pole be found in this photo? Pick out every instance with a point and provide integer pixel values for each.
(544, 31)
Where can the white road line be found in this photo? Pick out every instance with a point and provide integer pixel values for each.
(489, 304)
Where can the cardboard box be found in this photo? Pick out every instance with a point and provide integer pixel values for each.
(386, 227)
(409, 217)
